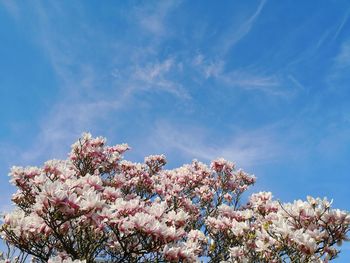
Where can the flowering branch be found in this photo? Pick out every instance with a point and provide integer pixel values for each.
(97, 206)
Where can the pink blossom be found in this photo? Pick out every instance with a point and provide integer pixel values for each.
(95, 204)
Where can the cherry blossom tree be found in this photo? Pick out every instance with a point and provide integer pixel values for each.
(97, 207)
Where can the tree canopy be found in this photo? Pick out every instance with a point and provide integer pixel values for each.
(97, 207)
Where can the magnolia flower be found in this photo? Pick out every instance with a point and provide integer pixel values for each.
(91, 200)
(95, 204)
(59, 259)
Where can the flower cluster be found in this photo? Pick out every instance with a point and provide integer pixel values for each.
(97, 206)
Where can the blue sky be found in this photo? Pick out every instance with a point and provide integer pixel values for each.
(262, 83)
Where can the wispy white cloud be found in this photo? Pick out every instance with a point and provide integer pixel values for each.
(152, 18)
(240, 31)
(323, 39)
(247, 148)
(341, 25)
(63, 125)
(239, 78)
(208, 68)
(250, 81)
(80, 105)
(154, 77)
(296, 83)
